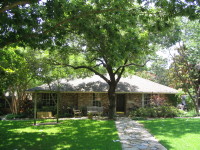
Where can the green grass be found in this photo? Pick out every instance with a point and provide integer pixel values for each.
(176, 134)
(69, 134)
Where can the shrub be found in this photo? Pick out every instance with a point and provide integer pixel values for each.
(160, 111)
(13, 116)
(141, 112)
(191, 113)
(152, 112)
(10, 116)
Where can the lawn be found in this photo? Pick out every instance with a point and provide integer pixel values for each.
(69, 134)
(176, 134)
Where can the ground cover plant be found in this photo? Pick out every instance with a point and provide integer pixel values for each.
(175, 134)
(69, 134)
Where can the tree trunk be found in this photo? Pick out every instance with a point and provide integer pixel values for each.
(4, 97)
(197, 100)
(112, 101)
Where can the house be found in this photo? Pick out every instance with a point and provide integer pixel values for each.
(131, 92)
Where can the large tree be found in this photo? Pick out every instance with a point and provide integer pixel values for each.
(114, 40)
(111, 35)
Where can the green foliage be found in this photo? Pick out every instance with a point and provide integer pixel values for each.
(189, 102)
(160, 111)
(184, 72)
(14, 116)
(17, 74)
(173, 100)
(190, 113)
(17, 67)
(10, 116)
(38, 22)
(157, 71)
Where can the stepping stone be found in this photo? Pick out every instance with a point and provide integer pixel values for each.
(142, 146)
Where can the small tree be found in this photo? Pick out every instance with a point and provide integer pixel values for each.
(186, 75)
(184, 68)
(16, 76)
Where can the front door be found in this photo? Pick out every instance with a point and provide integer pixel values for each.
(120, 103)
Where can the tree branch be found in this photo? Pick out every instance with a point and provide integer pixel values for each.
(15, 4)
(130, 64)
(97, 59)
(84, 67)
(121, 72)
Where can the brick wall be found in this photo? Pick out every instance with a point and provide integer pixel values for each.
(82, 100)
(105, 102)
(85, 99)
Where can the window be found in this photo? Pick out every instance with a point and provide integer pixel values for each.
(48, 99)
(96, 99)
(147, 99)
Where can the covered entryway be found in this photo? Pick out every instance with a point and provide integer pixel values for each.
(120, 103)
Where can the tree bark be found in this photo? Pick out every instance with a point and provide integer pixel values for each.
(112, 100)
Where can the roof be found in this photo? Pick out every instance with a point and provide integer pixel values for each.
(132, 84)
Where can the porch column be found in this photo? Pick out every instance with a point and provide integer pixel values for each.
(35, 108)
(142, 99)
(58, 103)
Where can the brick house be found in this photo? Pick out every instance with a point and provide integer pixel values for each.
(131, 92)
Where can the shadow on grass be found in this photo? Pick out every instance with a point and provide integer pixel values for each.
(70, 134)
(175, 129)
(166, 144)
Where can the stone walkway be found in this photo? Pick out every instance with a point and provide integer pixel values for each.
(134, 137)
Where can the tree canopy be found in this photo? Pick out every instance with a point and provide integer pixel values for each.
(34, 21)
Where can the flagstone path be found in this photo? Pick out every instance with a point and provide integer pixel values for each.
(134, 137)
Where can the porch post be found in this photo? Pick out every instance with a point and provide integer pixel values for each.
(58, 103)
(142, 99)
(35, 108)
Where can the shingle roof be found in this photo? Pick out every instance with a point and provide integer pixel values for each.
(132, 84)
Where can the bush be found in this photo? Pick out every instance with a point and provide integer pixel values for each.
(141, 112)
(13, 116)
(10, 116)
(191, 113)
(160, 111)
